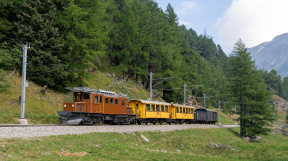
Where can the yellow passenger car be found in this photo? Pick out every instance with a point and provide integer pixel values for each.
(182, 113)
(151, 111)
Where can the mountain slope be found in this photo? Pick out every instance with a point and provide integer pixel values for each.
(272, 55)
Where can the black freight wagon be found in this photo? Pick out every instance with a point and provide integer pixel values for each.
(205, 116)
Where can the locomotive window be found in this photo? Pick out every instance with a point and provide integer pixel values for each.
(180, 109)
(111, 100)
(166, 108)
(153, 108)
(86, 96)
(116, 101)
(106, 100)
(80, 97)
(75, 97)
(177, 109)
(147, 107)
(158, 108)
(137, 107)
(100, 99)
(162, 108)
(96, 99)
(123, 102)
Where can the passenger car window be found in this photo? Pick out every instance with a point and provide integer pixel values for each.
(158, 108)
(180, 109)
(147, 107)
(177, 109)
(153, 108)
(123, 102)
(166, 109)
(116, 101)
(106, 100)
(137, 107)
(111, 100)
(100, 99)
(162, 108)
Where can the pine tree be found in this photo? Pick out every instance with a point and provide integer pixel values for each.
(36, 25)
(248, 90)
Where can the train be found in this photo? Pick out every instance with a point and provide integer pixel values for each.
(96, 106)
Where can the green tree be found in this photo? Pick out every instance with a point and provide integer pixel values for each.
(36, 25)
(248, 90)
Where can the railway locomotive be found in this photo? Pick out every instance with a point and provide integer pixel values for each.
(92, 106)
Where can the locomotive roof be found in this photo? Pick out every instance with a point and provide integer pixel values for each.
(95, 91)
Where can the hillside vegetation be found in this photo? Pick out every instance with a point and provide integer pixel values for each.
(42, 109)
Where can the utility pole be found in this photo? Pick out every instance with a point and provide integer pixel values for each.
(204, 100)
(24, 85)
(151, 86)
(184, 94)
(220, 111)
(235, 115)
(185, 91)
(219, 114)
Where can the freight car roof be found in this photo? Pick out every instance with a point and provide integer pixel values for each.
(95, 91)
(203, 109)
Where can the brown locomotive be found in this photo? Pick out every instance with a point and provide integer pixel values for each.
(91, 106)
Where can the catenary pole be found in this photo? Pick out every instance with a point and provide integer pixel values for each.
(204, 100)
(235, 115)
(25, 47)
(219, 114)
(151, 86)
(184, 94)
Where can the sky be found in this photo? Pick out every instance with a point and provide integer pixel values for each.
(254, 21)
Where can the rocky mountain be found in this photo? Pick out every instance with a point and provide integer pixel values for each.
(272, 55)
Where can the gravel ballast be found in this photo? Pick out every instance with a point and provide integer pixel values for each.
(39, 131)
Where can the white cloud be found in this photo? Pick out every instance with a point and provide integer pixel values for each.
(186, 6)
(254, 21)
(186, 23)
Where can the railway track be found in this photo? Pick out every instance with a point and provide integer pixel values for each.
(26, 131)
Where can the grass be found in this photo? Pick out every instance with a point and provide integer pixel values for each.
(194, 144)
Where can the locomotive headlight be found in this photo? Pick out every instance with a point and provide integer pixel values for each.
(72, 105)
(64, 105)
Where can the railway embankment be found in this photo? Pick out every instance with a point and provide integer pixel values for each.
(13, 131)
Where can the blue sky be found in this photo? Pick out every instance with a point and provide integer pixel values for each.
(254, 21)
